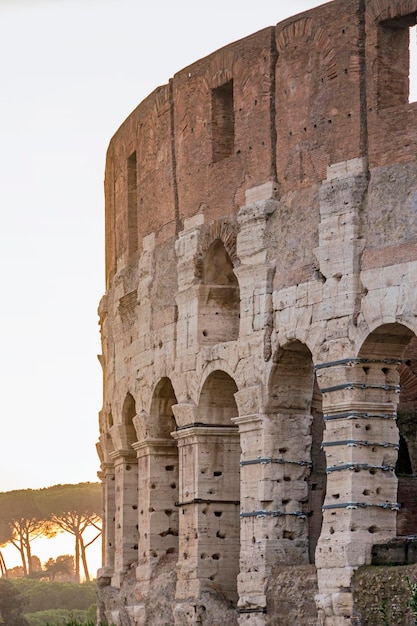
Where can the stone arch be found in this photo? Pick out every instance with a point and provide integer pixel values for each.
(161, 417)
(158, 484)
(210, 454)
(388, 361)
(226, 231)
(218, 292)
(298, 467)
(128, 414)
(217, 404)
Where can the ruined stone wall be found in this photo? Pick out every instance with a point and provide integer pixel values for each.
(258, 326)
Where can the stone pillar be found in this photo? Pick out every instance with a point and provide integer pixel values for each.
(187, 299)
(360, 441)
(157, 510)
(274, 527)
(126, 518)
(108, 539)
(256, 272)
(208, 512)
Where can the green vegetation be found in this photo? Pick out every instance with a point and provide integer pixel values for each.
(12, 604)
(28, 602)
(58, 617)
(412, 602)
(42, 596)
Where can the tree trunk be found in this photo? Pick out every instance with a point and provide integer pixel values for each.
(84, 560)
(77, 558)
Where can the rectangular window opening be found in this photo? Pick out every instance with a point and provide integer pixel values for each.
(412, 92)
(132, 205)
(397, 61)
(223, 121)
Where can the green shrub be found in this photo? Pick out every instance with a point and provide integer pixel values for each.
(44, 595)
(56, 617)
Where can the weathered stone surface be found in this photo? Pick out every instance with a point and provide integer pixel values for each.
(258, 327)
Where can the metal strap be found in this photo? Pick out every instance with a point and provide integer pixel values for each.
(359, 466)
(263, 513)
(395, 388)
(353, 415)
(264, 460)
(203, 425)
(206, 501)
(393, 506)
(357, 442)
(357, 361)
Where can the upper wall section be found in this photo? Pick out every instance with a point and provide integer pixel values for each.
(319, 115)
(280, 106)
(392, 120)
(223, 115)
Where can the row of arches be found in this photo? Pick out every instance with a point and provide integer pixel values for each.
(203, 489)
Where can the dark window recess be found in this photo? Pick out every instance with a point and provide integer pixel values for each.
(395, 79)
(223, 121)
(412, 92)
(132, 205)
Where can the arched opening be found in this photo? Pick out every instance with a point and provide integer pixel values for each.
(158, 483)
(406, 466)
(219, 297)
(389, 375)
(211, 484)
(298, 466)
(126, 491)
(128, 413)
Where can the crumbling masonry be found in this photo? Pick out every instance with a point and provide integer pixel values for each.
(258, 326)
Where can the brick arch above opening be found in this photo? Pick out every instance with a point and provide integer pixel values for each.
(226, 232)
(308, 31)
(382, 10)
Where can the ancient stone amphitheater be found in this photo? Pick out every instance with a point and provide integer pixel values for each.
(258, 429)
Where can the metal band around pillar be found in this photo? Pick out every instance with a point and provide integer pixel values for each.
(264, 460)
(395, 388)
(355, 415)
(356, 467)
(393, 506)
(357, 361)
(357, 442)
(206, 501)
(263, 513)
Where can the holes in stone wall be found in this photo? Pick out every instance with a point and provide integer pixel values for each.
(170, 531)
(288, 535)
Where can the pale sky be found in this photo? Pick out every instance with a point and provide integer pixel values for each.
(71, 72)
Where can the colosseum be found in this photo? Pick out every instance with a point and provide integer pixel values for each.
(258, 431)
